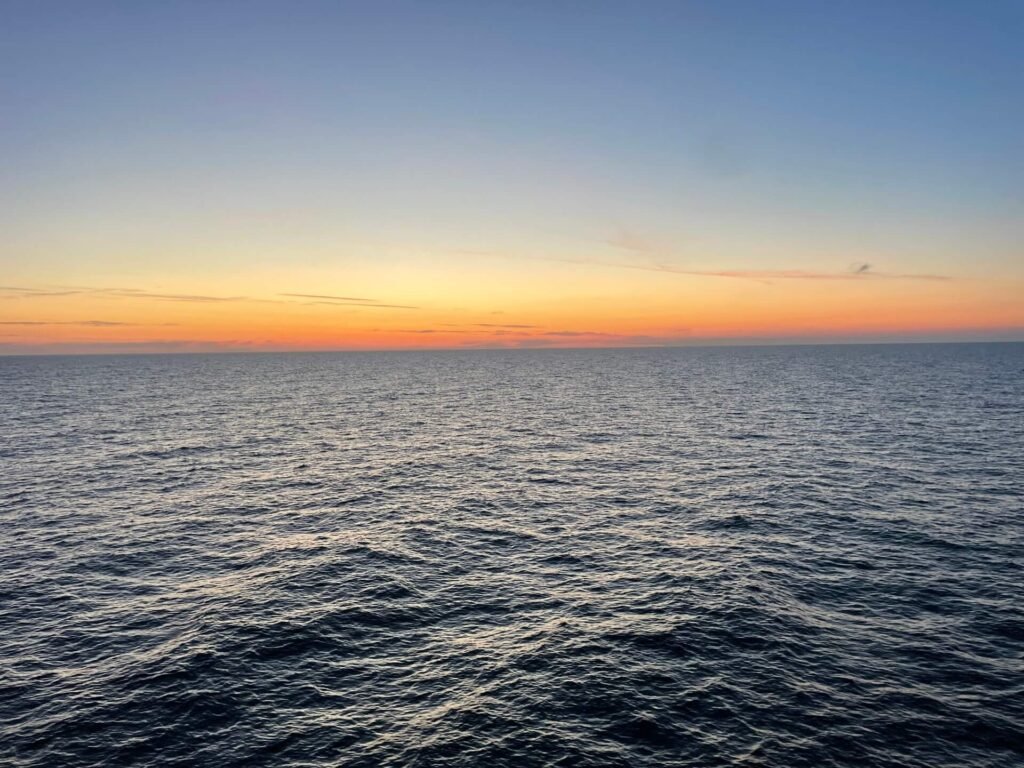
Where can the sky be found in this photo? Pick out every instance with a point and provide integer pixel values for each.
(205, 176)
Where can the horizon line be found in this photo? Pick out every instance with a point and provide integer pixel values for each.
(384, 350)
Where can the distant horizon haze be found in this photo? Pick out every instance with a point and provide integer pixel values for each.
(72, 350)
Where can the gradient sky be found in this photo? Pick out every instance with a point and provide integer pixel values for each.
(348, 175)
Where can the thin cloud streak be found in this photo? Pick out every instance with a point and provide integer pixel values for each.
(89, 323)
(357, 304)
(861, 272)
(124, 293)
(858, 271)
(138, 293)
(502, 325)
(443, 331)
(638, 244)
(322, 296)
(34, 293)
(135, 294)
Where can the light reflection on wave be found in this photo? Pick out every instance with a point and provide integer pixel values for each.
(779, 557)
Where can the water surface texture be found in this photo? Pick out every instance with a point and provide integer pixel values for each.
(802, 556)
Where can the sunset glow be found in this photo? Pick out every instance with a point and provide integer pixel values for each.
(359, 178)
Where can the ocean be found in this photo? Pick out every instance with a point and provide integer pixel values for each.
(760, 556)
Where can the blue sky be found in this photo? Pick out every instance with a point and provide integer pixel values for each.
(153, 141)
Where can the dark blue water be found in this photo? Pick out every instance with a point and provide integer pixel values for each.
(804, 556)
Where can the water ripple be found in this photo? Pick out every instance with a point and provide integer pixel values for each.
(721, 557)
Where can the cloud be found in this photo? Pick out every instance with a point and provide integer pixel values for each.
(653, 257)
(108, 323)
(137, 294)
(357, 304)
(859, 272)
(425, 330)
(344, 301)
(322, 300)
(32, 293)
(489, 325)
(90, 323)
(649, 259)
(521, 330)
(322, 296)
(503, 325)
(126, 293)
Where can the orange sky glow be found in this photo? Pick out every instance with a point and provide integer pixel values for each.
(506, 303)
(203, 177)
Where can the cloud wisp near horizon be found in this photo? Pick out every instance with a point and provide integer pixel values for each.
(139, 293)
(602, 313)
(90, 323)
(857, 271)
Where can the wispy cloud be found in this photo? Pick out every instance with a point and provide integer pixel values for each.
(139, 293)
(344, 301)
(650, 256)
(503, 325)
(862, 271)
(444, 331)
(358, 304)
(136, 294)
(11, 291)
(125, 293)
(323, 296)
(88, 323)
